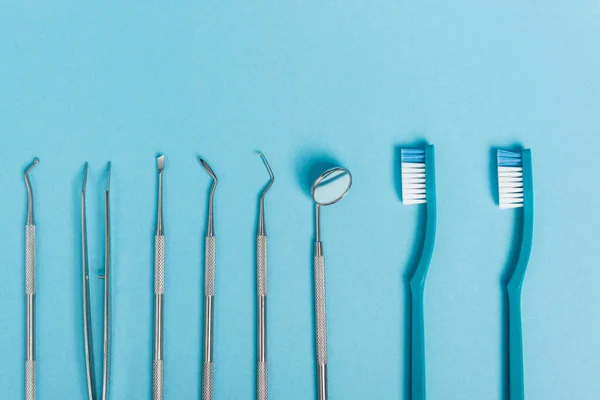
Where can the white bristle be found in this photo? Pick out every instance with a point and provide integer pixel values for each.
(413, 183)
(510, 187)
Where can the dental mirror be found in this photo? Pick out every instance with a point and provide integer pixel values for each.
(329, 188)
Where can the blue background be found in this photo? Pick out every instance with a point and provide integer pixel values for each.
(302, 81)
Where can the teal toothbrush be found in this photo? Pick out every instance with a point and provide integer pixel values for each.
(515, 190)
(418, 187)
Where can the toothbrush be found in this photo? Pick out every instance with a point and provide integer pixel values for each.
(30, 261)
(418, 187)
(515, 190)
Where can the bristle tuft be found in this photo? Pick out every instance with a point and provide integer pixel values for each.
(413, 176)
(510, 179)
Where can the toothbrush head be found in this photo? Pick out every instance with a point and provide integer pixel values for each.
(414, 184)
(510, 179)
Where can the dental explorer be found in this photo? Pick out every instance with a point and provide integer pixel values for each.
(159, 290)
(262, 387)
(209, 290)
(30, 261)
(87, 317)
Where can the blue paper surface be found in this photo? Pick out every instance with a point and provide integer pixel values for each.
(307, 83)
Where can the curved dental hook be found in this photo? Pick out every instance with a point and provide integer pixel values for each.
(210, 231)
(30, 220)
(261, 221)
(272, 177)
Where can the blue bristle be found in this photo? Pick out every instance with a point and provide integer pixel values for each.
(412, 155)
(509, 158)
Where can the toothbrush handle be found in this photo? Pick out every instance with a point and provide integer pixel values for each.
(159, 291)
(417, 343)
(515, 345)
(262, 387)
(30, 261)
(210, 257)
(514, 287)
(320, 323)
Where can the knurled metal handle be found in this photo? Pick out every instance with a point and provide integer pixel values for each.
(210, 257)
(159, 264)
(207, 381)
(320, 312)
(158, 380)
(30, 259)
(261, 265)
(262, 382)
(30, 380)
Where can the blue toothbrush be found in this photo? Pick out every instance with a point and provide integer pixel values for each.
(418, 187)
(515, 190)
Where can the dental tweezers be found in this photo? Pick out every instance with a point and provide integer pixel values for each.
(30, 261)
(87, 317)
(209, 290)
(262, 386)
(159, 290)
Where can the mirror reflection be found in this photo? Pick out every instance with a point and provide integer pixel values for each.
(331, 186)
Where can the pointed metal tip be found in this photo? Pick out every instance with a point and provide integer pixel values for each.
(160, 162)
(272, 177)
(33, 163)
(109, 168)
(85, 175)
(266, 165)
(207, 168)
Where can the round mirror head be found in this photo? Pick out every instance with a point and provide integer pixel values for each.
(331, 186)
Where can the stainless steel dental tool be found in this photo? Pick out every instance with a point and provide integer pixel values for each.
(262, 387)
(209, 290)
(30, 261)
(87, 317)
(159, 290)
(329, 188)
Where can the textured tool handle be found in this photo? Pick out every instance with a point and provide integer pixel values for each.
(261, 288)
(30, 259)
(158, 380)
(210, 255)
(261, 265)
(30, 380)
(207, 381)
(320, 313)
(159, 264)
(262, 382)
